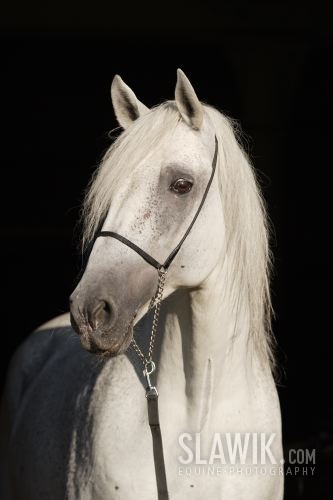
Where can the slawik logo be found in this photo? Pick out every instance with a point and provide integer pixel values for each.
(227, 453)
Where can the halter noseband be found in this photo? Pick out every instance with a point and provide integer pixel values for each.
(148, 258)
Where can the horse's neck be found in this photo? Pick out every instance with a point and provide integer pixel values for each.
(205, 381)
(204, 354)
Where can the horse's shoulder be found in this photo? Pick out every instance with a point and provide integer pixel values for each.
(58, 322)
(33, 355)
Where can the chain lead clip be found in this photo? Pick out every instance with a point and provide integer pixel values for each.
(151, 391)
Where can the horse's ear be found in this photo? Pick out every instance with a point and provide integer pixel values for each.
(187, 102)
(126, 105)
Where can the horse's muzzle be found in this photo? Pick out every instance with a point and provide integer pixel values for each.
(96, 323)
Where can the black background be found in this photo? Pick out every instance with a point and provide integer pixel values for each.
(267, 64)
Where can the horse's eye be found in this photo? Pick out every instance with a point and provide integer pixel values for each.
(181, 186)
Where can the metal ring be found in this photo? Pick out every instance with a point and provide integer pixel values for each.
(152, 367)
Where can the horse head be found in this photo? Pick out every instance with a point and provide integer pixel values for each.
(149, 191)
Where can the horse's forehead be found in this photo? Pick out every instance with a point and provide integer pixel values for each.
(186, 145)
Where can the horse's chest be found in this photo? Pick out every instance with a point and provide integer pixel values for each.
(117, 462)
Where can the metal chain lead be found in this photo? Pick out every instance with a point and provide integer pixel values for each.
(155, 302)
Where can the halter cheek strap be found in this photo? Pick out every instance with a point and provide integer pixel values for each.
(148, 258)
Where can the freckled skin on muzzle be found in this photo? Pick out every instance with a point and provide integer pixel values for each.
(103, 310)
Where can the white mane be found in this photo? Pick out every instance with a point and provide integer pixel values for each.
(243, 209)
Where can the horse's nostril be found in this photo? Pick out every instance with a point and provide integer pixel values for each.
(100, 315)
(107, 307)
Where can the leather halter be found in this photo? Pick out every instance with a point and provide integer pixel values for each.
(151, 392)
(148, 258)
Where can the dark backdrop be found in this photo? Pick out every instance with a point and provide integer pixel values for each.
(264, 63)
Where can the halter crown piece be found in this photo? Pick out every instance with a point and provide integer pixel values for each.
(148, 363)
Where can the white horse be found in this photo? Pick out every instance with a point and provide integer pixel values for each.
(75, 423)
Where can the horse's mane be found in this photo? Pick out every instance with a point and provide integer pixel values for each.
(244, 213)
